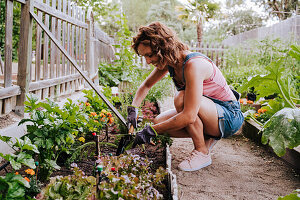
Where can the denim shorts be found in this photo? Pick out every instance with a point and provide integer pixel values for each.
(230, 117)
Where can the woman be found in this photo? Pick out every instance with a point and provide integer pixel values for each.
(206, 109)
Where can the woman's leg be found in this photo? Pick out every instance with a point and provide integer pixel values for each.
(206, 123)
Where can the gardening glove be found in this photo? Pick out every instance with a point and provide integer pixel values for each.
(132, 113)
(144, 136)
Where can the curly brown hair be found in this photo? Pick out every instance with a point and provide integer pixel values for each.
(162, 40)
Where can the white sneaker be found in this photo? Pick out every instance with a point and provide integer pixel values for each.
(197, 160)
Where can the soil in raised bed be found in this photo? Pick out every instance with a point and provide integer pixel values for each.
(154, 153)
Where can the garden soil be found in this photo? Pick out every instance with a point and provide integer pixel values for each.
(240, 170)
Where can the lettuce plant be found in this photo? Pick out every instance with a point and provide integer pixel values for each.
(129, 177)
(72, 187)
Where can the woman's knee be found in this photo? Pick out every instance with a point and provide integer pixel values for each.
(179, 101)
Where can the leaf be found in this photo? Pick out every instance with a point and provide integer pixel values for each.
(282, 130)
(52, 164)
(26, 159)
(29, 146)
(5, 138)
(15, 191)
(21, 180)
(15, 165)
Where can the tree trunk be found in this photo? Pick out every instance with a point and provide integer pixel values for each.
(199, 32)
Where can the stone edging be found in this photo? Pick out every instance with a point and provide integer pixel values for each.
(172, 182)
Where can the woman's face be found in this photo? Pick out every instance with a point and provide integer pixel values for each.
(151, 57)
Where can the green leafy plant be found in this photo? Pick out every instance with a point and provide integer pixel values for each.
(50, 129)
(295, 195)
(128, 177)
(76, 186)
(13, 186)
(24, 152)
(274, 82)
(282, 130)
(124, 67)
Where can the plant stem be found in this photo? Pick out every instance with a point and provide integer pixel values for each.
(258, 122)
(283, 95)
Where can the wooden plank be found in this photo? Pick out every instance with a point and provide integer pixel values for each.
(1, 64)
(74, 10)
(52, 46)
(76, 66)
(58, 54)
(8, 43)
(21, 1)
(1, 106)
(42, 84)
(10, 92)
(7, 108)
(80, 41)
(45, 48)
(45, 93)
(53, 12)
(25, 48)
(64, 31)
(68, 69)
(77, 36)
(38, 49)
(58, 36)
(53, 49)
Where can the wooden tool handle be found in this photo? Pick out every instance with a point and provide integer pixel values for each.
(131, 128)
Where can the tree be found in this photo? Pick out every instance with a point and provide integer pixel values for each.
(198, 11)
(136, 11)
(282, 9)
(235, 19)
(165, 13)
(105, 12)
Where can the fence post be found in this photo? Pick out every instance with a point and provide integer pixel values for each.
(90, 45)
(25, 48)
(8, 43)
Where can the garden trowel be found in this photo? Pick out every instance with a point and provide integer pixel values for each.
(125, 140)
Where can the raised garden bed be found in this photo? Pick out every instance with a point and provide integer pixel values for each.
(149, 160)
(251, 130)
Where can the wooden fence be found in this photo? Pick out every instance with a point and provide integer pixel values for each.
(214, 51)
(66, 38)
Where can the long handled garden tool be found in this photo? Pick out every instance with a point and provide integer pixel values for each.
(125, 140)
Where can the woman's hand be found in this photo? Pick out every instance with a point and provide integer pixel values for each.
(144, 136)
(132, 113)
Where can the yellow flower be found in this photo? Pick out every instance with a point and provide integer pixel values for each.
(81, 139)
(30, 171)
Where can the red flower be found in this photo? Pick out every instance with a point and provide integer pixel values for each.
(94, 134)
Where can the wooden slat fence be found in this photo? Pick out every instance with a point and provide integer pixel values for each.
(214, 51)
(42, 67)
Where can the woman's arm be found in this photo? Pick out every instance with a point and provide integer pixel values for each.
(195, 72)
(142, 91)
